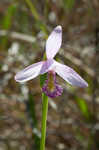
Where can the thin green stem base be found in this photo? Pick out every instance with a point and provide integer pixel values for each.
(44, 119)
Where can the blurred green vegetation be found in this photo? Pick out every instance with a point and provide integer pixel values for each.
(72, 118)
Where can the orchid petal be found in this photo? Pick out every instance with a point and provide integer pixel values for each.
(29, 73)
(69, 75)
(53, 42)
(47, 66)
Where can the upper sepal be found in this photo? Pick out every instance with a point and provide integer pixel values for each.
(53, 42)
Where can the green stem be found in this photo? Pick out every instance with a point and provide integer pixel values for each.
(44, 118)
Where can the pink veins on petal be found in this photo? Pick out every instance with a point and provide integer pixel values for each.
(53, 45)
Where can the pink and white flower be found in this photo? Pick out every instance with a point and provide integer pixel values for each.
(51, 88)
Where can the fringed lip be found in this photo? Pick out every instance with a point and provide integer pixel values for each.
(51, 88)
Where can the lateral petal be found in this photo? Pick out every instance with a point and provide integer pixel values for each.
(53, 42)
(69, 75)
(29, 72)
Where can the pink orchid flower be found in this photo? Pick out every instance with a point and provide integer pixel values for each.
(51, 88)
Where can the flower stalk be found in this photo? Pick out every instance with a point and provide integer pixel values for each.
(44, 120)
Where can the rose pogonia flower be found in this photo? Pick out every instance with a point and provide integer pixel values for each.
(51, 88)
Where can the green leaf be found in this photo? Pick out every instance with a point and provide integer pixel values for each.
(83, 107)
(37, 17)
(33, 9)
(7, 21)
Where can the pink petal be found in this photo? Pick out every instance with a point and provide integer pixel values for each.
(29, 73)
(47, 66)
(69, 75)
(53, 42)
